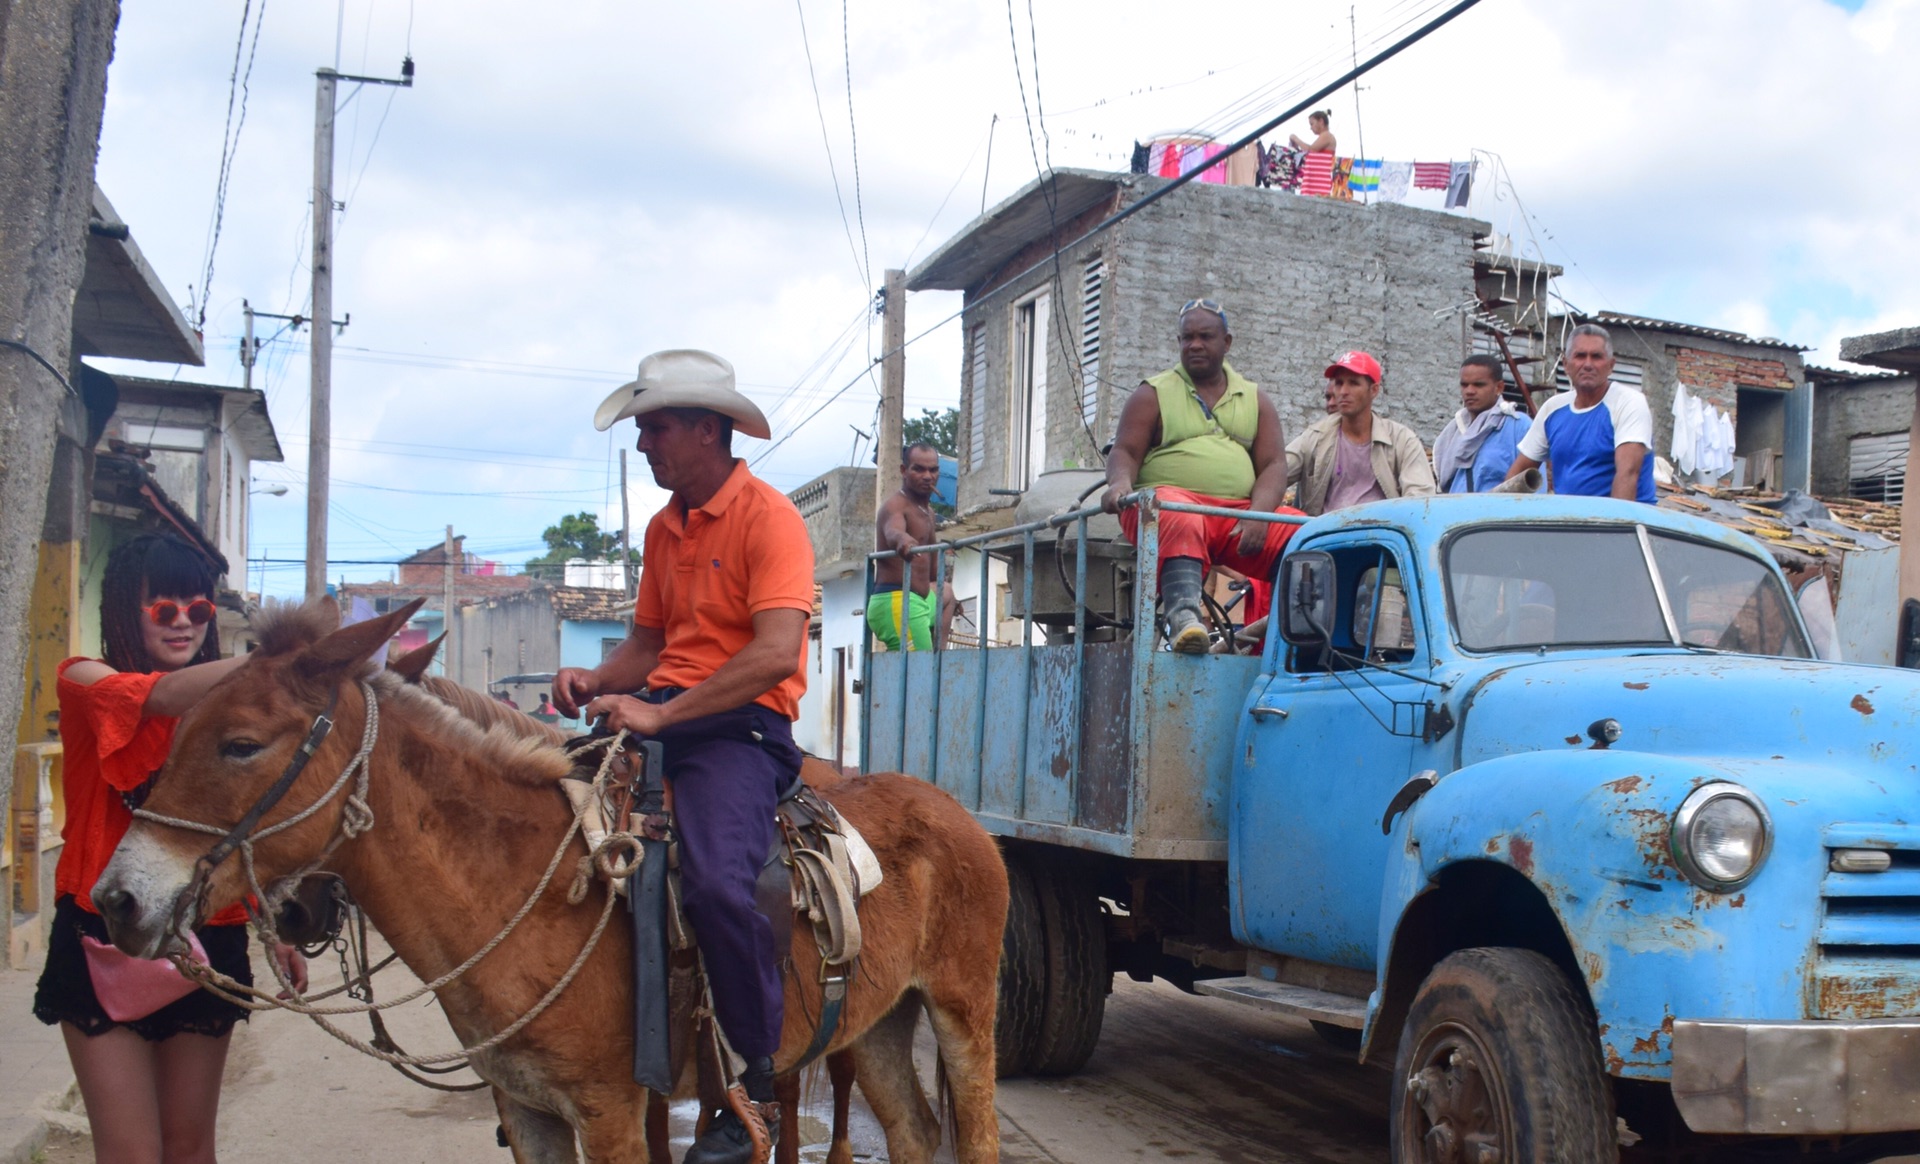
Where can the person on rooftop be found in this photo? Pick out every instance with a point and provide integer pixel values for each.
(1322, 142)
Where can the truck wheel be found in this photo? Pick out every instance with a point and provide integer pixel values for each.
(1023, 976)
(1499, 1061)
(1077, 974)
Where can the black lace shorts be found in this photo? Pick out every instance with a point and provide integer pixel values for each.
(65, 993)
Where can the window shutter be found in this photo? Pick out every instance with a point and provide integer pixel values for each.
(977, 414)
(1877, 467)
(1092, 282)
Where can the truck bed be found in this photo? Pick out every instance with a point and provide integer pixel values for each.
(1131, 761)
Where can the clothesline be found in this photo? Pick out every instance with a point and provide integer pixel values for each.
(1315, 175)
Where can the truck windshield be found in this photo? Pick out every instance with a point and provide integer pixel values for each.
(1520, 587)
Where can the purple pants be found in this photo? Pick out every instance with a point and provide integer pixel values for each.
(725, 787)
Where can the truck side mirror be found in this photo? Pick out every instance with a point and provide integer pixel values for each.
(1306, 598)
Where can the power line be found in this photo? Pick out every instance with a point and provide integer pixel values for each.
(853, 133)
(229, 145)
(825, 141)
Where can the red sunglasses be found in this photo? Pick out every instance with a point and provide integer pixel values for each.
(200, 612)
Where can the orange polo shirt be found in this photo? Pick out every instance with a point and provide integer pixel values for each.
(708, 572)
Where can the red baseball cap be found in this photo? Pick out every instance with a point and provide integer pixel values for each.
(1359, 362)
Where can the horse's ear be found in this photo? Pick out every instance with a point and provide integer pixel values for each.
(351, 646)
(412, 665)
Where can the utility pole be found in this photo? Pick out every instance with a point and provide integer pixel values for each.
(320, 416)
(626, 533)
(446, 604)
(893, 388)
(250, 347)
(53, 85)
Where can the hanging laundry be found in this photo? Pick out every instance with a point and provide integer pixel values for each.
(1216, 173)
(1243, 166)
(1432, 175)
(1280, 169)
(1342, 173)
(1365, 178)
(1169, 160)
(1459, 185)
(1316, 175)
(1396, 178)
(1140, 155)
(1683, 433)
(1192, 158)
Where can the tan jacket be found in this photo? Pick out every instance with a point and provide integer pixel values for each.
(1400, 462)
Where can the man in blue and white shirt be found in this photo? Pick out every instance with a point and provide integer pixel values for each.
(1596, 438)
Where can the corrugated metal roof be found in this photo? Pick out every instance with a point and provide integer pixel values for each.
(1733, 337)
(1844, 376)
(986, 243)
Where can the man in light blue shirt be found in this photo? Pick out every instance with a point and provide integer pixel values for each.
(1596, 438)
(1475, 449)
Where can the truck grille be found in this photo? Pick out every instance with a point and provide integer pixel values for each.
(1869, 959)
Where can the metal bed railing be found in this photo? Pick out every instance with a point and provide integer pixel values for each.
(1021, 538)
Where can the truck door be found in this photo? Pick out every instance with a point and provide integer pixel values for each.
(1329, 737)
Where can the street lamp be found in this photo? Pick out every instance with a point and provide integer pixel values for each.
(275, 490)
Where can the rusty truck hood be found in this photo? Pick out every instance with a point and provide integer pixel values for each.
(1674, 704)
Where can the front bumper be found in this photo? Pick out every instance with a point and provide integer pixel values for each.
(1797, 1078)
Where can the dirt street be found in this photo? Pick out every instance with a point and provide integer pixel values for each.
(1175, 1078)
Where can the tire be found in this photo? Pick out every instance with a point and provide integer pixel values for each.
(1077, 976)
(1022, 998)
(1499, 1048)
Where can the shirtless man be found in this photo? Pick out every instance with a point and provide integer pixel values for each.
(905, 521)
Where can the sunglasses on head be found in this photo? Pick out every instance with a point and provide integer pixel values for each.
(200, 612)
(1205, 305)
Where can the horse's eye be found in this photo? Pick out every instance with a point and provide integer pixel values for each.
(241, 749)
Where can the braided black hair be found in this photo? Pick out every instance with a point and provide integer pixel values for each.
(149, 567)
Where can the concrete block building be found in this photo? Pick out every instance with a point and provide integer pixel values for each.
(1055, 339)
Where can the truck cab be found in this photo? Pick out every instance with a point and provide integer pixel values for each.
(1540, 803)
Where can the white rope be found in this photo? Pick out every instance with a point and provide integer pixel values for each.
(356, 819)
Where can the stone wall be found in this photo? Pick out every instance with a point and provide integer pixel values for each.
(1301, 278)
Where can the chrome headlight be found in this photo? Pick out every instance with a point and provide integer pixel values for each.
(1721, 836)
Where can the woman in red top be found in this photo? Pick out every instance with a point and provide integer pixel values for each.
(151, 1084)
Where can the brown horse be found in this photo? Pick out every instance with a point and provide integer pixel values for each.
(464, 821)
(492, 713)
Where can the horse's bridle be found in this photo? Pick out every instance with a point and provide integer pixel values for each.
(241, 837)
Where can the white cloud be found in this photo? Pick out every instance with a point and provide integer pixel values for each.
(578, 185)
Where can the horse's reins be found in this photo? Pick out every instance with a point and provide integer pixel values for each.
(355, 820)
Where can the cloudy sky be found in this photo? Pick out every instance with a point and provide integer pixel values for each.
(569, 187)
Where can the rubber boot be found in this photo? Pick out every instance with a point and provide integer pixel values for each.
(1180, 582)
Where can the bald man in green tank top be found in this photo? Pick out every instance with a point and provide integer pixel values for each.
(1202, 433)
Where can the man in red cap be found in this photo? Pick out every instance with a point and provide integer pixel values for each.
(1204, 434)
(1351, 455)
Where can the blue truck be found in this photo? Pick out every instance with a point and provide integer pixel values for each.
(1540, 803)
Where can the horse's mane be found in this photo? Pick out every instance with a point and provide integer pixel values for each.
(285, 627)
(489, 713)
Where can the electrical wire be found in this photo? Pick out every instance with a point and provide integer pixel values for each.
(853, 134)
(825, 141)
(229, 145)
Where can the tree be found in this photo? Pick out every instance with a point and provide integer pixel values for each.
(939, 429)
(577, 536)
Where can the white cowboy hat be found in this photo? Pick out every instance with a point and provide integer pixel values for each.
(683, 378)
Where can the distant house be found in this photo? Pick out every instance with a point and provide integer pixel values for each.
(1053, 341)
(200, 442)
(424, 574)
(1862, 429)
(512, 642)
(838, 507)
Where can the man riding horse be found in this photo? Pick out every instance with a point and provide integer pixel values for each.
(717, 653)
